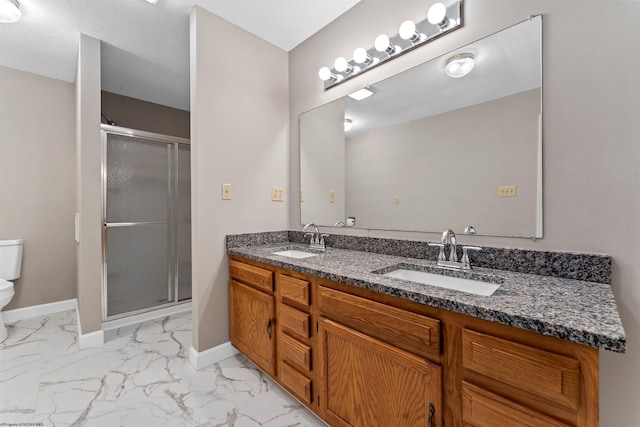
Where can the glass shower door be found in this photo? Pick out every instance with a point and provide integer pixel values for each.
(141, 208)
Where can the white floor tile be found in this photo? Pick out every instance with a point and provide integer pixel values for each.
(140, 377)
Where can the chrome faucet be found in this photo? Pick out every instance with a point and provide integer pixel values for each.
(449, 238)
(317, 238)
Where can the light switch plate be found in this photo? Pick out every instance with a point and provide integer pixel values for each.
(332, 196)
(226, 192)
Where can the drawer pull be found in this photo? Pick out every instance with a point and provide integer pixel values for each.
(432, 412)
(269, 329)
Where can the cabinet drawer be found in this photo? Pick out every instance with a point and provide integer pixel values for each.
(251, 275)
(295, 353)
(293, 290)
(296, 382)
(535, 371)
(294, 321)
(481, 408)
(409, 331)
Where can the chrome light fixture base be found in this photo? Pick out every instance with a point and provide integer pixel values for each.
(425, 31)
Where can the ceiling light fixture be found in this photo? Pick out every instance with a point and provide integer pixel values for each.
(459, 65)
(361, 94)
(348, 124)
(9, 11)
(440, 20)
(151, 1)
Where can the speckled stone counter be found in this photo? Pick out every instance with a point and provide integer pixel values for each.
(576, 310)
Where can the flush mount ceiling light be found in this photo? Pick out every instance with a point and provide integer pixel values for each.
(361, 94)
(459, 65)
(9, 11)
(440, 20)
(348, 124)
(151, 1)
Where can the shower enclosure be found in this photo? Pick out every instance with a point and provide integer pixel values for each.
(146, 208)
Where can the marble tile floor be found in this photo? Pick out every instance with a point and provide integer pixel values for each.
(140, 377)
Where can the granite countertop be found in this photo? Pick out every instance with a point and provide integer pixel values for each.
(575, 310)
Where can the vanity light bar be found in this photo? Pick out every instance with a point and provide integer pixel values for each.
(439, 21)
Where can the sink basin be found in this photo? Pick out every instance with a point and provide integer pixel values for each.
(293, 253)
(449, 282)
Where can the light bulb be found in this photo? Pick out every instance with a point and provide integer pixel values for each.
(9, 11)
(407, 30)
(342, 65)
(360, 55)
(437, 14)
(325, 74)
(382, 43)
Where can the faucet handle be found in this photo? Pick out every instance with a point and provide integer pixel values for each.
(466, 262)
(441, 256)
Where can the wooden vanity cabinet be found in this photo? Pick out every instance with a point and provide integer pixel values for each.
(252, 314)
(368, 374)
(360, 358)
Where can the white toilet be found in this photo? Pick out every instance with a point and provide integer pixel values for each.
(10, 266)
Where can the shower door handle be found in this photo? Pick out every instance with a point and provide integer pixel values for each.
(134, 224)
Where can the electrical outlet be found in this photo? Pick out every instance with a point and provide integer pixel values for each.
(397, 200)
(277, 194)
(332, 196)
(507, 191)
(226, 192)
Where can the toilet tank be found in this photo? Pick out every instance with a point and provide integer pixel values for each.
(10, 259)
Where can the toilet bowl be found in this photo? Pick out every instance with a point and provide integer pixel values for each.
(6, 293)
(10, 267)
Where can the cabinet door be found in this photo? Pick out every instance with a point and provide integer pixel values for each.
(251, 323)
(366, 382)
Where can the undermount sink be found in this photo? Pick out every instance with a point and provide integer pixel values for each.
(477, 287)
(294, 253)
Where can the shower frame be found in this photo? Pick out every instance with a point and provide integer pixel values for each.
(151, 137)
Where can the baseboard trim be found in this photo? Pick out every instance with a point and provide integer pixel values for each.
(202, 359)
(90, 340)
(39, 310)
(143, 317)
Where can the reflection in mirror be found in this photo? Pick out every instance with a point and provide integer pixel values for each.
(428, 152)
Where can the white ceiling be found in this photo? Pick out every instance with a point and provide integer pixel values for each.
(145, 49)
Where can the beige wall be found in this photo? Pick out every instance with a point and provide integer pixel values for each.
(88, 184)
(37, 116)
(591, 132)
(137, 114)
(239, 136)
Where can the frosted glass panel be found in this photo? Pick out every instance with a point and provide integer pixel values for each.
(138, 267)
(184, 222)
(138, 180)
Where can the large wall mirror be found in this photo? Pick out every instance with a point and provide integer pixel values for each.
(427, 152)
